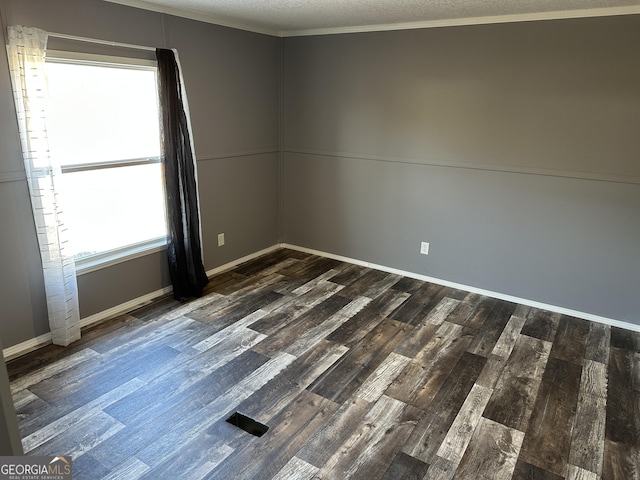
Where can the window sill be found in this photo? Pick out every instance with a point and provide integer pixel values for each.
(113, 257)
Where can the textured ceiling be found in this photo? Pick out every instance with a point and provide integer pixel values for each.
(323, 16)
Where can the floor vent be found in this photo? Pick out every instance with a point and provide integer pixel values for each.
(247, 424)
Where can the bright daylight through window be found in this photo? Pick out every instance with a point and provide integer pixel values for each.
(103, 126)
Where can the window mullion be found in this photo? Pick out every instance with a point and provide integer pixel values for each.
(83, 167)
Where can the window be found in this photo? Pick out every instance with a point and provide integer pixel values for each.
(104, 130)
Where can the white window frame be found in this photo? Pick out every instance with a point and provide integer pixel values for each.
(105, 259)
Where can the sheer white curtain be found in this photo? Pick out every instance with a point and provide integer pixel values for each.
(26, 48)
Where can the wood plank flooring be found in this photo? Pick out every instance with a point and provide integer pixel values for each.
(358, 373)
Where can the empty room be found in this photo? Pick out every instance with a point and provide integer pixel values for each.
(320, 239)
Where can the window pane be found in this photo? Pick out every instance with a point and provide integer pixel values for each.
(114, 207)
(99, 113)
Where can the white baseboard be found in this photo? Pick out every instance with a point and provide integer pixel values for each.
(26, 347)
(124, 307)
(42, 340)
(246, 258)
(500, 296)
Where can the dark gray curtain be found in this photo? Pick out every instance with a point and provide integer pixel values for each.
(187, 272)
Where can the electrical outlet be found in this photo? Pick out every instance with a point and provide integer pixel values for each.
(220, 239)
(424, 248)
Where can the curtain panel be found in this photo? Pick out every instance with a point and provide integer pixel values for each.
(184, 245)
(26, 49)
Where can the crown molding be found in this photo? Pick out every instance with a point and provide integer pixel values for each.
(452, 22)
(179, 12)
(458, 22)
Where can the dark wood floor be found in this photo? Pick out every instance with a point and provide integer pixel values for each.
(358, 374)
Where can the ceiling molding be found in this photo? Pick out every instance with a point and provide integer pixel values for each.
(458, 22)
(178, 12)
(452, 22)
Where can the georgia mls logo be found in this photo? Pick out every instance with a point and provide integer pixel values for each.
(35, 468)
(59, 466)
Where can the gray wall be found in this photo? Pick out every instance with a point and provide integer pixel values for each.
(233, 81)
(10, 442)
(513, 149)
